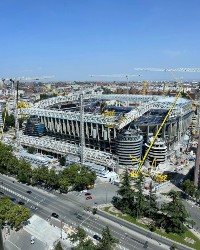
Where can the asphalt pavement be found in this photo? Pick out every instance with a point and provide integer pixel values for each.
(71, 211)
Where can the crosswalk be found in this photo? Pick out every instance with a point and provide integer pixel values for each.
(15, 193)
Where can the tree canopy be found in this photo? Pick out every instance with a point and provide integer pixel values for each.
(12, 214)
(107, 241)
(132, 201)
(174, 214)
(75, 176)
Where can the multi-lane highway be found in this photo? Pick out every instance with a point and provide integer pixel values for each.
(72, 212)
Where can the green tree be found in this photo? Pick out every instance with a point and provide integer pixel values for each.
(43, 174)
(191, 222)
(174, 214)
(107, 241)
(9, 120)
(24, 172)
(78, 177)
(79, 235)
(140, 203)
(6, 157)
(94, 210)
(58, 246)
(85, 245)
(35, 176)
(13, 166)
(14, 215)
(64, 185)
(152, 206)
(197, 194)
(188, 187)
(52, 179)
(125, 203)
(125, 184)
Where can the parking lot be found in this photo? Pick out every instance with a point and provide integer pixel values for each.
(101, 193)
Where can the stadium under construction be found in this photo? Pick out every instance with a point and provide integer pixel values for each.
(106, 129)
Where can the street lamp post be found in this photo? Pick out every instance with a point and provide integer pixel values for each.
(61, 228)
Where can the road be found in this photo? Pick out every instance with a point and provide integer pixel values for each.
(194, 212)
(72, 212)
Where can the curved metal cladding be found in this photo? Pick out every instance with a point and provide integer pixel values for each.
(128, 142)
(158, 151)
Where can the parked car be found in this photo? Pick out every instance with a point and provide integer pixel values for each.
(96, 237)
(32, 239)
(55, 215)
(88, 197)
(1, 193)
(29, 192)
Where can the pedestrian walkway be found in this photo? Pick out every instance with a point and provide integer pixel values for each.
(45, 231)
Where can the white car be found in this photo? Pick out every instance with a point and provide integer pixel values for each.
(32, 239)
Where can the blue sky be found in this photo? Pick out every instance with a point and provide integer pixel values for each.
(72, 39)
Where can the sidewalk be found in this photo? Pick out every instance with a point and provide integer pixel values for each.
(46, 231)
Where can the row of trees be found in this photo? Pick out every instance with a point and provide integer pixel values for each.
(12, 214)
(171, 216)
(107, 241)
(74, 176)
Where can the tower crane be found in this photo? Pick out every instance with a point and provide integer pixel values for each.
(190, 70)
(126, 76)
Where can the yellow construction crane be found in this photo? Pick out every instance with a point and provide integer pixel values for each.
(158, 177)
(23, 105)
(159, 129)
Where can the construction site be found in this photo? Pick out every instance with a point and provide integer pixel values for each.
(111, 132)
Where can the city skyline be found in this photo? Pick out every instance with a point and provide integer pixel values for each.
(73, 40)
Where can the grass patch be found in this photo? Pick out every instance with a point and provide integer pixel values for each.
(126, 217)
(180, 238)
(174, 237)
